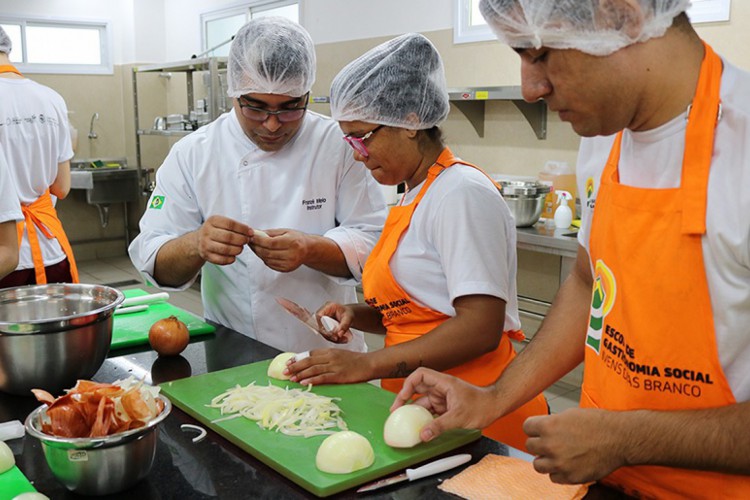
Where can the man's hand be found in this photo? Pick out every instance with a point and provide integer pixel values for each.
(221, 239)
(330, 366)
(459, 404)
(577, 445)
(282, 250)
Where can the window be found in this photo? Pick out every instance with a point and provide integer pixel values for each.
(469, 25)
(218, 27)
(44, 46)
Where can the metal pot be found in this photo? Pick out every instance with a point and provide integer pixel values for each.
(52, 335)
(525, 200)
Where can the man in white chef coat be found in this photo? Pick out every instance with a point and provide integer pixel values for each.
(266, 201)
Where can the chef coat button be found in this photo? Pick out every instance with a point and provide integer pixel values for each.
(244, 163)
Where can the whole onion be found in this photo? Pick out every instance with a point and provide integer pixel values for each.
(168, 336)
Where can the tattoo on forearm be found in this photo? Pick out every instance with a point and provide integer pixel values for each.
(402, 369)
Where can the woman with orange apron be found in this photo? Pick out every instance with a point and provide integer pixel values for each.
(659, 307)
(389, 102)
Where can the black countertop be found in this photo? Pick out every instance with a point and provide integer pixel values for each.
(214, 467)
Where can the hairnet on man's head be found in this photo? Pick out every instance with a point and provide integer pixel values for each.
(400, 83)
(596, 27)
(5, 44)
(271, 55)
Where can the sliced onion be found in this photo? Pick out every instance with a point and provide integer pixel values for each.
(344, 452)
(403, 426)
(201, 431)
(294, 412)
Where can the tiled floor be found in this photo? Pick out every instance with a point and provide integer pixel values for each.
(119, 272)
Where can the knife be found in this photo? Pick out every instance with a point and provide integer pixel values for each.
(305, 317)
(435, 467)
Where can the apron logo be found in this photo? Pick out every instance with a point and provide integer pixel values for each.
(602, 300)
(590, 200)
(157, 202)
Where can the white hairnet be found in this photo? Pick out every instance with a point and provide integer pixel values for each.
(596, 27)
(5, 44)
(400, 83)
(271, 55)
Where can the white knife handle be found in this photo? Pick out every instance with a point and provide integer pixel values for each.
(145, 299)
(437, 466)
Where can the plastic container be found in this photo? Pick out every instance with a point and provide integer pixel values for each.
(562, 178)
(563, 213)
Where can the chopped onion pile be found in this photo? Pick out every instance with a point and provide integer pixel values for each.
(294, 412)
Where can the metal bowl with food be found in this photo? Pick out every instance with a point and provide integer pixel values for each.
(99, 465)
(52, 335)
(525, 200)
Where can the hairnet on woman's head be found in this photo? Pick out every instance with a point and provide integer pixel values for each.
(5, 44)
(400, 83)
(271, 55)
(597, 27)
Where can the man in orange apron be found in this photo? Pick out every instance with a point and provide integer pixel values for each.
(440, 286)
(659, 302)
(36, 144)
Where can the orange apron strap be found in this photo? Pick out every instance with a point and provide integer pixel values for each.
(9, 68)
(41, 214)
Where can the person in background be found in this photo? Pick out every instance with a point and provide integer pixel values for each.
(658, 305)
(10, 214)
(35, 139)
(267, 164)
(441, 282)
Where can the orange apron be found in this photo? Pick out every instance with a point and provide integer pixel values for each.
(41, 214)
(405, 319)
(9, 68)
(651, 341)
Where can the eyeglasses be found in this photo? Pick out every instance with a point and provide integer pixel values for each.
(261, 115)
(358, 143)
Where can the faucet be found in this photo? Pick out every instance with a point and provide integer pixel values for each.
(92, 134)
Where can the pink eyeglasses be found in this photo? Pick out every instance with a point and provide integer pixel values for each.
(358, 143)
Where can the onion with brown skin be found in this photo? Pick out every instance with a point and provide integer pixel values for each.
(168, 336)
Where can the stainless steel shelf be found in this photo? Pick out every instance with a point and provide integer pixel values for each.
(184, 66)
(471, 102)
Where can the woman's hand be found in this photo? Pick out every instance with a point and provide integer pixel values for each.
(341, 313)
(329, 366)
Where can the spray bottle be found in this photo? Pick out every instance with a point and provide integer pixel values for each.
(563, 213)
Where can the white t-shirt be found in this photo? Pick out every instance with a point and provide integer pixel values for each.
(726, 244)
(35, 137)
(312, 185)
(461, 241)
(10, 208)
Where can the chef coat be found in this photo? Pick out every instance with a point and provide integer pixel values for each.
(10, 208)
(311, 185)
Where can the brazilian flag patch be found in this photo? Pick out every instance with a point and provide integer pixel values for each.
(157, 202)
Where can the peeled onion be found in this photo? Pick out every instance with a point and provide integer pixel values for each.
(278, 365)
(403, 426)
(7, 460)
(258, 232)
(344, 452)
(31, 495)
(168, 336)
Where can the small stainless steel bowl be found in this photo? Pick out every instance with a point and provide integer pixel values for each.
(99, 466)
(52, 335)
(525, 200)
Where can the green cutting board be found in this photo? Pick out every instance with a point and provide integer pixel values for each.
(365, 408)
(12, 483)
(132, 329)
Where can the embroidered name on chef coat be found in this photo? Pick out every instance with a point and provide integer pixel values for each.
(314, 203)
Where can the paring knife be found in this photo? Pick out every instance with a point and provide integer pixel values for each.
(435, 467)
(145, 299)
(306, 317)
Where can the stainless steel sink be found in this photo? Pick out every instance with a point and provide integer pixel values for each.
(105, 181)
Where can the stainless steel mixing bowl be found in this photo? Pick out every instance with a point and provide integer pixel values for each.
(99, 466)
(52, 335)
(525, 200)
